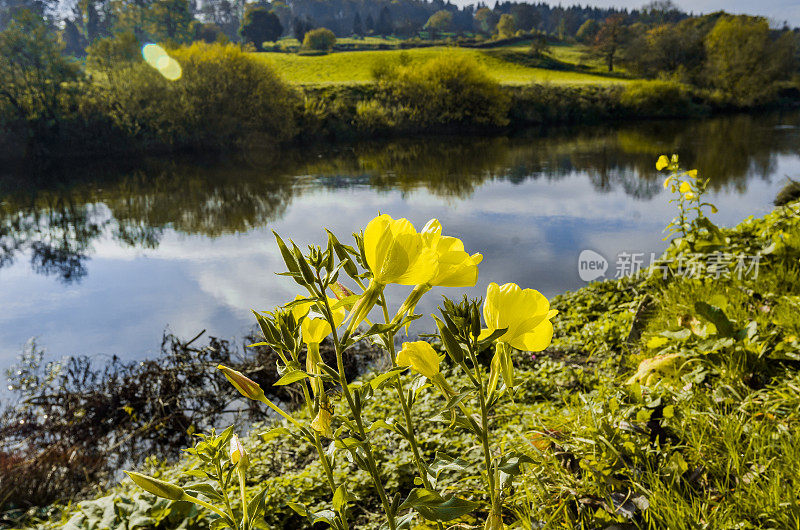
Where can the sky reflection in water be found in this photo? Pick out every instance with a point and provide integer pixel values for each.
(102, 266)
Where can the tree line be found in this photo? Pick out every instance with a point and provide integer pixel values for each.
(79, 23)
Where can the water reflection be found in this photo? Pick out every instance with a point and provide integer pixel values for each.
(187, 242)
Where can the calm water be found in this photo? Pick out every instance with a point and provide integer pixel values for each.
(103, 265)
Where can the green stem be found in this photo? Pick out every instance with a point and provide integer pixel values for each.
(224, 489)
(326, 465)
(205, 505)
(487, 453)
(412, 439)
(373, 468)
(242, 493)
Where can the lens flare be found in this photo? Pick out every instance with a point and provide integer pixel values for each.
(158, 58)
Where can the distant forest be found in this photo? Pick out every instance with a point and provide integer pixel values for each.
(81, 22)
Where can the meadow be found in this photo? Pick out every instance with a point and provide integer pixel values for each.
(503, 64)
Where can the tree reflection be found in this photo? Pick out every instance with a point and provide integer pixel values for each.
(56, 221)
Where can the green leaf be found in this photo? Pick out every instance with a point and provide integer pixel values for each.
(291, 377)
(451, 345)
(298, 508)
(206, 488)
(717, 317)
(458, 398)
(434, 507)
(381, 380)
(341, 498)
(496, 334)
(511, 463)
(443, 462)
(275, 432)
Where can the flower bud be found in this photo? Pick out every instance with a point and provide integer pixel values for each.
(159, 488)
(246, 386)
(365, 304)
(238, 454)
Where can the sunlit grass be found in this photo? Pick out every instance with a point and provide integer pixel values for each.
(356, 67)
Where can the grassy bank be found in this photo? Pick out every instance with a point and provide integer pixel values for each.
(707, 439)
(508, 66)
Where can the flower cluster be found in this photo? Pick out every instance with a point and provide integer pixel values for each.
(388, 251)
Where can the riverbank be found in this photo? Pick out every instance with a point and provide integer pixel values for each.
(706, 431)
(229, 100)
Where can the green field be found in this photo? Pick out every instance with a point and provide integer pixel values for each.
(356, 67)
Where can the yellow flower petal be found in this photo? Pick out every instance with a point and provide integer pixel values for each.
(420, 357)
(662, 162)
(524, 313)
(685, 187)
(396, 253)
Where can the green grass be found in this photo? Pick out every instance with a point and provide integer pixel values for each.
(356, 67)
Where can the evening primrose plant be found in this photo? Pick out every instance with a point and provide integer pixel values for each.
(696, 231)
(388, 251)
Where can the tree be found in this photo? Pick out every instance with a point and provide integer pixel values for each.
(301, 26)
(610, 38)
(743, 60)
(370, 23)
(384, 26)
(661, 11)
(112, 52)
(526, 16)
(208, 33)
(358, 27)
(170, 20)
(321, 39)
(588, 31)
(438, 22)
(506, 26)
(35, 74)
(485, 20)
(223, 13)
(539, 45)
(74, 43)
(260, 25)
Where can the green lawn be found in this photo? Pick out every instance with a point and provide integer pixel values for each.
(355, 67)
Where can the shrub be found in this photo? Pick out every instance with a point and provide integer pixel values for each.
(223, 97)
(321, 39)
(657, 98)
(447, 90)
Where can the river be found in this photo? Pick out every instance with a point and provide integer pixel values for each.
(101, 259)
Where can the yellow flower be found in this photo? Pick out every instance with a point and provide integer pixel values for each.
(662, 162)
(159, 488)
(456, 267)
(314, 329)
(322, 422)
(685, 187)
(525, 313)
(667, 181)
(396, 253)
(420, 357)
(238, 454)
(300, 310)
